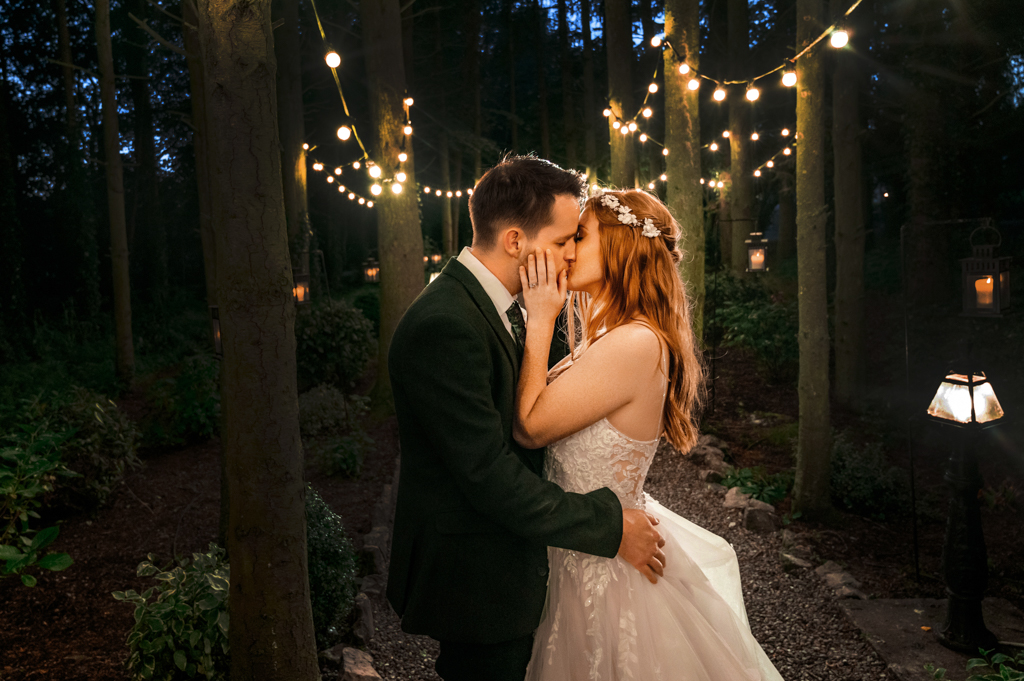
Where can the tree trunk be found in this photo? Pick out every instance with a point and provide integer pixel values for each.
(271, 633)
(787, 216)
(849, 225)
(124, 351)
(619, 43)
(589, 95)
(447, 233)
(12, 298)
(725, 226)
(148, 243)
(292, 126)
(741, 191)
(456, 202)
(64, 45)
(508, 8)
(542, 79)
(471, 74)
(568, 108)
(811, 489)
(399, 239)
(685, 195)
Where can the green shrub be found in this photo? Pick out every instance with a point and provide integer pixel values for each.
(862, 481)
(186, 405)
(343, 455)
(334, 343)
(332, 570)
(101, 449)
(367, 301)
(756, 482)
(332, 429)
(30, 463)
(181, 624)
(1003, 667)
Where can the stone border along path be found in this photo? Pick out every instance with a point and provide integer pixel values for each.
(793, 607)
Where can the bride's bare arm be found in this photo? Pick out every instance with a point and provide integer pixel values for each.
(607, 376)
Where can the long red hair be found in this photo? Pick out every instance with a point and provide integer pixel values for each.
(641, 280)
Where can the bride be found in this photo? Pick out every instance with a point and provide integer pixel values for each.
(632, 376)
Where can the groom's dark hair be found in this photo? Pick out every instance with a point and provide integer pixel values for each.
(520, 191)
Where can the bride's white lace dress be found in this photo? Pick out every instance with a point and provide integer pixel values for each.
(605, 622)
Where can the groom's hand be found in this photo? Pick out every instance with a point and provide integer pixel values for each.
(641, 543)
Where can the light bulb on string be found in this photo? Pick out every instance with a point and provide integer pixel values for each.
(470, 191)
(374, 171)
(719, 94)
(624, 130)
(337, 171)
(694, 84)
(351, 196)
(330, 179)
(361, 200)
(344, 132)
(375, 189)
(656, 41)
(785, 132)
(355, 165)
(714, 146)
(648, 112)
(663, 177)
(702, 180)
(449, 194)
(752, 93)
(725, 134)
(754, 137)
(437, 193)
(770, 164)
(616, 125)
(369, 204)
(407, 130)
(396, 187)
(408, 101)
(789, 77)
(403, 157)
(684, 69)
(643, 137)
(341, 189)
(458, 193)
(607, 113)
(885, 195)
(426, 190)
(401, 177)
(757, 173)
(664, 152)
(787, 151)
(652, 88)
(650, 185)
(839, 38)
(305, 146)
(318, 166)
(333, 59)
(632, 126)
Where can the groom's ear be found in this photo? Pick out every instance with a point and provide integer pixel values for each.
(513, 241)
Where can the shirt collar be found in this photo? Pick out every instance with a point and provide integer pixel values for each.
(492, 286)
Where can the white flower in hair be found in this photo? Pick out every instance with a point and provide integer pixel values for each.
(650, 230)
(610, 201)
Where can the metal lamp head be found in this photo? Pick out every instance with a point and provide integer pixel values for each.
(966, 400)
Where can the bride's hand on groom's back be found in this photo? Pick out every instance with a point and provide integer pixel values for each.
(641, 543)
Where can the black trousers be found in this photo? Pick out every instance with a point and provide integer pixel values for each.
(505, 661)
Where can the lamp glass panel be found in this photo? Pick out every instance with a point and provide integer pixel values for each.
(755, 259)
(952, 401)
(982, 286)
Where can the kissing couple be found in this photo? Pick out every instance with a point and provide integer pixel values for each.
(523, 540)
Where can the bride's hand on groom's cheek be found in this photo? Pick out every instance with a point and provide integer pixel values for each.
(544, 288)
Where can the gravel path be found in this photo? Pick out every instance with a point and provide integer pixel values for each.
(794, 616)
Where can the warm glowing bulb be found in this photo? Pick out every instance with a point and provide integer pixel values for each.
(407, 130)
(458, 193)
(720, 184)
(341, 189)
(656, 41)
(403, 157)
(886, 195)
(330, 179)
(355, 165)
(374, 171)
(361, 200)
(839, 38)
(684, 69)
(426, 190)
(318, 166)
(787, 151)
(624, 130)
(643, 137)
(652, 88)
(337, 171)
(754, 137)
(607, 113)
(409, 101)
(757, 173)
(785, 132)
(449, 194)
(632, 126)
(714, 146)
(351, 196)
(616, 125)
(375, 189)
(648, 112)
(470, 191)
(305, 146)
(789, 78)
(770, 164)
(725, 134)
(369, 204)
(333, 59)
(664, 177)
(694, 84)
(702, 180)
(753, 93)
(396, 187)
(344, 132)
(719, 94)
(650, 185)
(437, 193)
(401, 177)
(664, 152)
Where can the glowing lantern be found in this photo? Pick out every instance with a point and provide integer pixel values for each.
(757, 251)
(986, 279)
(300, 287)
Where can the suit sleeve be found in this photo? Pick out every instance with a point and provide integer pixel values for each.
(442, 365)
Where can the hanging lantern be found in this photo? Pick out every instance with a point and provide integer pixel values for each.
(757, 252)
(986, 279)
(965, 399)
(218, 347)
(371, 271)
(300, 288)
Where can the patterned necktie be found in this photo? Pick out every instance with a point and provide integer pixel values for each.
(515, 317)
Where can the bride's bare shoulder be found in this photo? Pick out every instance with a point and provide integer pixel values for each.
(635, 343)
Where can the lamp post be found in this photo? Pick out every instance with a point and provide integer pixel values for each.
(757, 252)
(965, 404)
(986, 279)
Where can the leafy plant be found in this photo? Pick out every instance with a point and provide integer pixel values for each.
(863, 482)
(332, 570)
(1003, 667)
(181, 624)
(343, 455)
(367, 301)
(756, 482)
(325, 410)
(334, 343)
(187, 405)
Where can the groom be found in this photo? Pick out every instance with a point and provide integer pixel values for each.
(474, 515)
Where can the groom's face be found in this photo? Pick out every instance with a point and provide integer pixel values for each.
(558, 235)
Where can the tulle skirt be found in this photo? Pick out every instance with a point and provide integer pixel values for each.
(604, 621)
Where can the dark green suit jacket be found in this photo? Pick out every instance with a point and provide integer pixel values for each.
(474, 515)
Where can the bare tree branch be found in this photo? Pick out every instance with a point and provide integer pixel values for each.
(72, 66)
(176, 18)
(156, 36)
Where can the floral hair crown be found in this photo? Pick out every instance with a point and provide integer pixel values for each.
(627, 217)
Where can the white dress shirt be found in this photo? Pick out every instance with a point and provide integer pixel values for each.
(493, 287)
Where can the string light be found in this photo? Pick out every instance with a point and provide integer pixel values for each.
(652, 88)
(407, 130)
(333, 59)
(664, 177)
(403, 157)
(401, 177)
(437, 193)
(374, 171)
(341, 189)
(337, 171)
(650, 185)
(344, 132)
(458, 193)
(396, 187)
(369, 204)
(305, 146)
(361, 200)
(684, 69)
(355, 165)
(714, 146)
(330, 179)
(789, 77)
(632, 126)
(754, 137)
(656, 41)
(839, 38)
(664, 152)
(408, 101)
(719, 94)
(787, 151)
(770, 164)
(624, 130)
(449, 194)
(702, 180)
(757, 173)
(351, 196)
(375, 189)
(648, 112)
(643, 137)
(470, 191)
(752, 93)
(694, 84)
(885, 195)
(607, 113)
(616, 125)
(785, 132)
(318, 166)
(725, 134)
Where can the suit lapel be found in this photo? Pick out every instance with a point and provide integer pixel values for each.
(460, 273)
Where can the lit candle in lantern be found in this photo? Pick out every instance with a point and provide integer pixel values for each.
(757, 259)
(983, 291)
